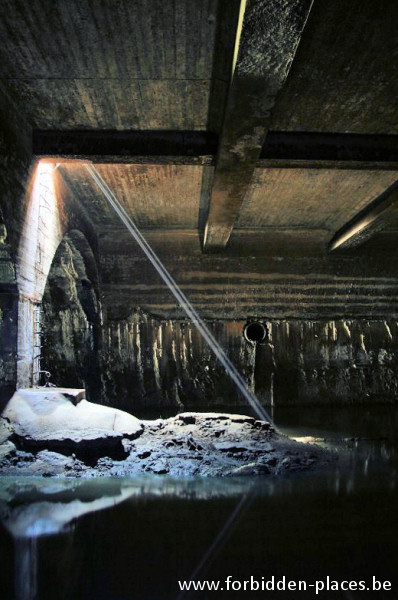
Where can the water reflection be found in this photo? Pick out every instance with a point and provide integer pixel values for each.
(25, 568)
(115, 539)
(32, 507)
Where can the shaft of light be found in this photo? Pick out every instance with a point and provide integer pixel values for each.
(179, 296)
(221, 537)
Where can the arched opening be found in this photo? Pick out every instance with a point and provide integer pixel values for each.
(41, 234)
(46, 219)
(71, 318)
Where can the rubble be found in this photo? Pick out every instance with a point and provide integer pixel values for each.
(51, 435)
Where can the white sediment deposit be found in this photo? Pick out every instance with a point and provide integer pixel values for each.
(57, 432)
(60, 414)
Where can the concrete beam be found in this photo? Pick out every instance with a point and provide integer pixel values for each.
(303, 145)
(372, 219)
(268, 34)
(124, 144)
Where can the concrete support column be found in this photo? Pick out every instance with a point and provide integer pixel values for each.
(41, 234)
(28, 363)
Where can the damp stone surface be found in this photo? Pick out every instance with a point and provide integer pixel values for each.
(59, 433)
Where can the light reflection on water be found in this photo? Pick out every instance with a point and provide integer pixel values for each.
(25, 568)
(120, 539)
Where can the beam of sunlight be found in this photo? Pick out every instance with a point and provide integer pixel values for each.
(41, 233)
(180, 296)
(221, 538)
(239, 27)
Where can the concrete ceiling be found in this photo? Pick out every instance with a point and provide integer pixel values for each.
(207, 65)
(311, 197)
(120, 65)
(155, 196)
(344, 76)
(158, 64)
(116, 64)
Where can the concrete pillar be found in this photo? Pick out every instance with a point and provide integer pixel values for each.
(41, 235)
(28, 362)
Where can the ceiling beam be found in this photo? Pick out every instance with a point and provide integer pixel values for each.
(372, 219)
(306, 145)
(124, 144)
(268, 34)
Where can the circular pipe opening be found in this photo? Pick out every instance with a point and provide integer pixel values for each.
(255, 332)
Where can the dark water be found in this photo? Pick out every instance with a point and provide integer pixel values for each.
(134, 539)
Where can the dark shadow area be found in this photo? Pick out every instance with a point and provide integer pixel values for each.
(124, 143)
(330, 146)
(8, 319)
(71, 318)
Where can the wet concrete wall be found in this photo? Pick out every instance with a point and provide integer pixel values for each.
(141, 362)
(8, 344)
(145, 363)
(71, 322)
(14, 172)
(8, 319)
(151, 364)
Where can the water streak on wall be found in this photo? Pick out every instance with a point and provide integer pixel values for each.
(304, 362)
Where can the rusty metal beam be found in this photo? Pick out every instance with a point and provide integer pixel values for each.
(372, 219)
(268, 34)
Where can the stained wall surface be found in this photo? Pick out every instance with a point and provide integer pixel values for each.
(150, 365)
(106, 67)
